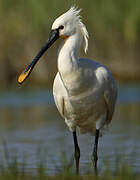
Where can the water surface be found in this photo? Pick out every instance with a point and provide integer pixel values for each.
(34, 131)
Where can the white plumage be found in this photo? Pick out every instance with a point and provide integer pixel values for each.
(84, 90)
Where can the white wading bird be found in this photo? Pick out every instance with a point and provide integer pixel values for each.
(84, 90)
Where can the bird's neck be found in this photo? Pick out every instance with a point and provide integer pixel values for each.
(68, 54)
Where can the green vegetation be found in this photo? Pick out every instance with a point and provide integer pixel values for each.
(125, 175)
(114, 29)
(11, 169)
(15, 171)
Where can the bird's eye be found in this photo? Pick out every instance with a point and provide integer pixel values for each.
(61, 27)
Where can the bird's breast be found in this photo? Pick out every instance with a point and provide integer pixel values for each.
(84, 104)
(81, 96)
(77, 82)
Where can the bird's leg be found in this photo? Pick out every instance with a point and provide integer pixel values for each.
(77, 152)
(94, 155)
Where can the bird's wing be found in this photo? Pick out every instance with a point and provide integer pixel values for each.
(110, 91)
(59, 93)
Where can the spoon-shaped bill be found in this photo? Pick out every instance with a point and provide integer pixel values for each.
(54, 35)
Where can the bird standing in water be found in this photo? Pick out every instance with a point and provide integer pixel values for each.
(84, 91)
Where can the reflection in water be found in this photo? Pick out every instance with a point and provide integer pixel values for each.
(31, 124)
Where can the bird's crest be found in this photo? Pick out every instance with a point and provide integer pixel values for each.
(74, 13)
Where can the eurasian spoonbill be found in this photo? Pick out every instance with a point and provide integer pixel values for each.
(84, 90)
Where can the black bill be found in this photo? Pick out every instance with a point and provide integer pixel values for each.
(54, 35)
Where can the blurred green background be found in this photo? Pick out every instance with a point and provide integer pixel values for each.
(29, 118)
(113, 26)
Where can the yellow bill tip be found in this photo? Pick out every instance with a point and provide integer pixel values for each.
(23, 76)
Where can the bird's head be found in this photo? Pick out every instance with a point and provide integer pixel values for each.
(63, 27)
(67, 23)
(70, 23)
